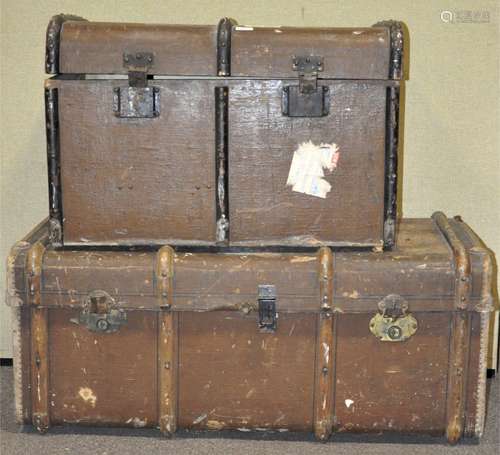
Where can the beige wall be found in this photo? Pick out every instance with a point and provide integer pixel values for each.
(451, 136)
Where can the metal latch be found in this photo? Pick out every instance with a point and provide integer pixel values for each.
(306, 99)
(137, 100)
(100, 314)
(268, 317)
(393, 323)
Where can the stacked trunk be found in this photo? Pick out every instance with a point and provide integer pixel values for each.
(189, 275)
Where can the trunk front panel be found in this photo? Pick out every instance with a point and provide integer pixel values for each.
(103, 378)
(263, 208)
(233, 376)
(137, 180)
(385, 386)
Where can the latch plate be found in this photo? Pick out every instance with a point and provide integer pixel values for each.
(393, 323)
(268, 316)
(137, 100)
(306, 99)
(297, 104)
(100, 314)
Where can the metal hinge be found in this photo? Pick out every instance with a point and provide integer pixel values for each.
(306, 99)
(268, 316)
(137, 100)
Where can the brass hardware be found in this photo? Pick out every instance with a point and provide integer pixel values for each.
(100, 314)
(393, 323)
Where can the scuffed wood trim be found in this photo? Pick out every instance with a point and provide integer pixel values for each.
(39, 340)
(18, 364)
(461, 258)
(481, 382)
(457, 376)
(460, 332)
(167, 343)
(324, 387)
(487, 300)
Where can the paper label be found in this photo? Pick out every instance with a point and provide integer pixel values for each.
(308, 168)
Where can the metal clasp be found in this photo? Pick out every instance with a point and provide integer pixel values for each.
(306, 99)
(137, 100)
(393, 322)
(268, 316)
(100, 314)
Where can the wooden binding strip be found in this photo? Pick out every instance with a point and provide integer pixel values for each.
(460, 333)
(39, 340)
(167, 343)
(323, 396)
(485, 305)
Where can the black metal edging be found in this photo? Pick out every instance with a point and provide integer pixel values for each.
(392, 131)
(391, 167)
(53, 40)
(224, 46)
(221, 130)
(53, 166)
(221, 163)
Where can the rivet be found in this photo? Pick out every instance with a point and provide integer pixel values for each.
(167, 365)
(324, 370)
(164, 294)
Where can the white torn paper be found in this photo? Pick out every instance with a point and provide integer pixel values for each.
(308, 165)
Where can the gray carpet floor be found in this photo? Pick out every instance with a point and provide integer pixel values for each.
(71, 440)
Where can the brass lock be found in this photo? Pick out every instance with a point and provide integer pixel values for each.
(100, 314)
(393, 322)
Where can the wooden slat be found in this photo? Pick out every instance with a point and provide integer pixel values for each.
(323, 397)
(167, 343)
(39, 341)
